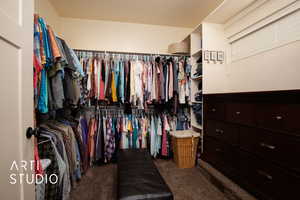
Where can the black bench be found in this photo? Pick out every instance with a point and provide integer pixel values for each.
(138, 177)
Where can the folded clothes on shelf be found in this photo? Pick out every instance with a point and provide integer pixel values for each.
(197, 109)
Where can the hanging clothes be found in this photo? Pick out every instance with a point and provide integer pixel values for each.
(57, 71)
(110, 140)
(139, 81)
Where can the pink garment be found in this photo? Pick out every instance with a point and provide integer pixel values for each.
(166, 127)
(37, 162)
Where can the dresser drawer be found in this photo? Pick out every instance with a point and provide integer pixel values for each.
(214, 110)
(211, 153)
(221, 156)
(279, 148)
(248, 138)
(268, 179)
(222, 131)
(279, 117)
(242, 113)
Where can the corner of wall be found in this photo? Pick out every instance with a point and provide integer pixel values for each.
(46, 10)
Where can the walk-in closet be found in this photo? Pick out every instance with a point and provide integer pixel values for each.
(150, 100)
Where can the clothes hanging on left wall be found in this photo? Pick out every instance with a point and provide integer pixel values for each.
(57, 70)
(57, 74)
(58, 142)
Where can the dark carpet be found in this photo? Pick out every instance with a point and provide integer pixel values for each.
(99, 183)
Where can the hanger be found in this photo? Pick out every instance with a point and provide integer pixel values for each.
(48, 140)
(46, 136)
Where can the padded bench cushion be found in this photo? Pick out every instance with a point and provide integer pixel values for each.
(138, 177)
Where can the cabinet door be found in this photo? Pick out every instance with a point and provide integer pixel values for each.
(291, 121)
(279, 148)
(214, 110)
(242, 113)
(221, 156)
(248, 138)
(211, 151)
(271, 116)
(279, 117)
(224, 132)
(267, 179)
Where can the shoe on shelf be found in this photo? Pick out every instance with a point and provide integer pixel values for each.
(197, 108)
(198, 96)
(198, 71)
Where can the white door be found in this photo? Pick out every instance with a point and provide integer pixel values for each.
(16, 96)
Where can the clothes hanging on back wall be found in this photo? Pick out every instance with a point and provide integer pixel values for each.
(136, 130)
(138, 80)
(61, 80)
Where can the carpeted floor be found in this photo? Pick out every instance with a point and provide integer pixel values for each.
(186, 184)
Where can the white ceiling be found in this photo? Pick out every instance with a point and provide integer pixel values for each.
(182, 13)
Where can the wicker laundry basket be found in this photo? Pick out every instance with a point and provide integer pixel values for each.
(185, 147)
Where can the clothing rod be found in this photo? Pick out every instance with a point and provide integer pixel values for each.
(130, 53)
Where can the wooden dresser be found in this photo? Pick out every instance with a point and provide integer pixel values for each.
(254, 139)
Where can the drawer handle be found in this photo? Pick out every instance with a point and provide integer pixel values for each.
(278, 117)
(238, 112)
(213, 110)
(219, 131)
(272, 147)
(265, 174)
(218, 150)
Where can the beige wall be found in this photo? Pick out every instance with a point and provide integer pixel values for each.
(45, 9)
(110, 36)
(261, 57)
(117, 36)
(277, 69)
(215, 74)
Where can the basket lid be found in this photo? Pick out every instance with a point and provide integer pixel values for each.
(185, 134)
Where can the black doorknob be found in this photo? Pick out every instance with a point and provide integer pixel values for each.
(30, 132)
